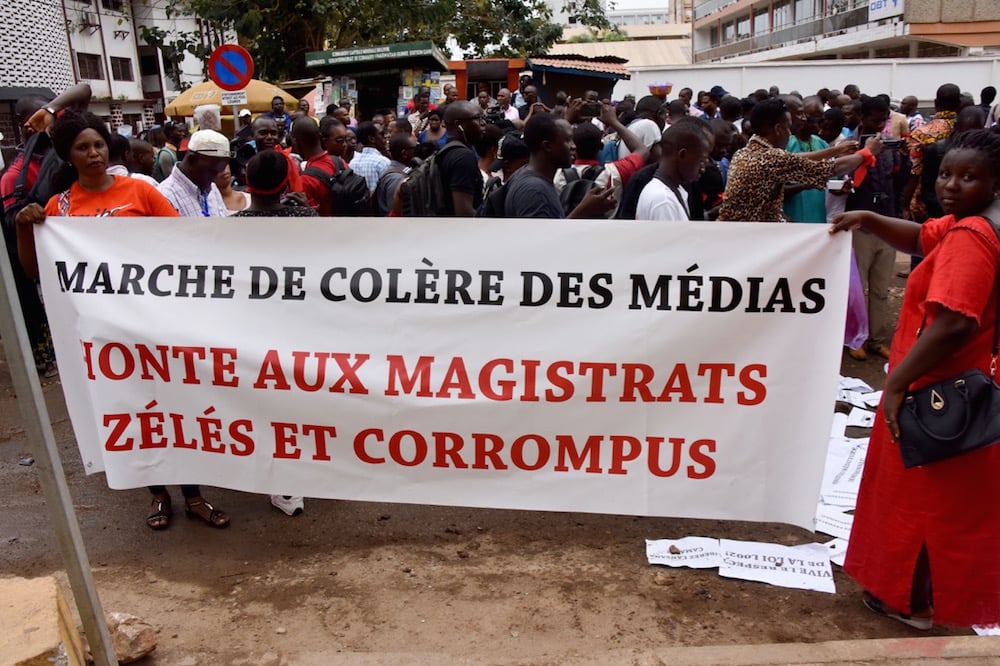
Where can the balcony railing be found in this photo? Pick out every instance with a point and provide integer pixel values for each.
(821, 27)
(705, 8)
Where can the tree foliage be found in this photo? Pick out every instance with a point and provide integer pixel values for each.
(280, 32)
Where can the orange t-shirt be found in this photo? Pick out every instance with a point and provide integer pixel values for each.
(128, 197)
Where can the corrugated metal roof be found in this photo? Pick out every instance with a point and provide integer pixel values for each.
(604, 66)
(638, 53)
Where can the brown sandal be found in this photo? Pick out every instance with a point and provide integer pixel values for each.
(160, 518)
(215, 518)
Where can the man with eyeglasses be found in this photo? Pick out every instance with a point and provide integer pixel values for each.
(804, 203)
(457, 161)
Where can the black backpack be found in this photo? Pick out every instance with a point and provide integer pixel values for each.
(45, 184)
(495, 200)
(40, 192)
(577, 186)
(423, 194)
(351, 197)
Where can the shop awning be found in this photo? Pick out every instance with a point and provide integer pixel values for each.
(608, 67)
(378, 59)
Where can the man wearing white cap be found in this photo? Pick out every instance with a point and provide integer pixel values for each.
(245, 132)
(190, 187)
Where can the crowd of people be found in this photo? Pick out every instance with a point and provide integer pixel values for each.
(893, 177)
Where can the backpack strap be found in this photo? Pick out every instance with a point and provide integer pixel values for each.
(320, 175)
(570, 174)
(21, 184)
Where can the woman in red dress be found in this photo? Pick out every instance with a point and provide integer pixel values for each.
(926, 541)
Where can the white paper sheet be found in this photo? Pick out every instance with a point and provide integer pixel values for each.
(845, 461)
(987, 629)
(695, 552)
(861, 418)
(872, 399)
(804, 567)
(854, 384)
(839, 424)
(833, 521)
(854, 398)
(837, 550)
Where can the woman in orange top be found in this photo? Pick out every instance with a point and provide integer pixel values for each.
(82, 139)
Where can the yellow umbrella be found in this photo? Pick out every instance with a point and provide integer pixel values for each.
(259, 96)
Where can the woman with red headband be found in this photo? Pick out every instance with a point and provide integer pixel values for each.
(267, 177)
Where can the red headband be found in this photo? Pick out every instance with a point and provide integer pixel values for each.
(276, 190)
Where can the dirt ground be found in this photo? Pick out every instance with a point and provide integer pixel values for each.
(385, 583)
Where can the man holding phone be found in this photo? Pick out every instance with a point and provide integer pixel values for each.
(531, 103)
(875, 190)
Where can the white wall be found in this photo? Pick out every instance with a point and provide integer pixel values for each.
(898, 78)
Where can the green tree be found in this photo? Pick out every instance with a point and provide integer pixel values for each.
(280, 32)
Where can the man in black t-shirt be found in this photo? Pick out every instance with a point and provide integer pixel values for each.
(531, 192)
(459, 165)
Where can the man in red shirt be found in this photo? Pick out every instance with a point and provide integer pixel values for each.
(306, 143)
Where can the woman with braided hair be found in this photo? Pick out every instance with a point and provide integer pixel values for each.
(925, 540)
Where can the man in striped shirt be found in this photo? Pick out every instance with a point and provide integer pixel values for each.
(190, 187)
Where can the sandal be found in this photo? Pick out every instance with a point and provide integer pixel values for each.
(876, 605)
(160, 518)
(215, 518)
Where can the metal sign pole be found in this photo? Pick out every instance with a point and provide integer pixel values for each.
(49, 466)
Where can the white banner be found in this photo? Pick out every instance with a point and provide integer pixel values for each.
(631, 368)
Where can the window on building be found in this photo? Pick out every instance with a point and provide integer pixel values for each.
(782, 14)
(148, 65)
(805, 10)
(121, 69)
(743, 27)
(760, 21)
(713, 36)
(89, 65)
(728, 32)
(113, 5)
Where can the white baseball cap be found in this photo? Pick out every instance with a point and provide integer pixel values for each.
(209, 143)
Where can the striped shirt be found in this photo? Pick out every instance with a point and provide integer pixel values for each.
(190, 201)
(370, 164)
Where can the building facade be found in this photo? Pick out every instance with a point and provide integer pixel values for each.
(758, 30)
(53, 44)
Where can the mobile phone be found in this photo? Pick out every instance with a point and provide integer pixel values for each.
(592, 108)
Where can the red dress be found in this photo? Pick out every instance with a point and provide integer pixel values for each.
(952, 506)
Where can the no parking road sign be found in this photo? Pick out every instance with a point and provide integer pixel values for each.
(230, 67)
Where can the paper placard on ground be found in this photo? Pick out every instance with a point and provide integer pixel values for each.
(839, 425)
(872, 399)
(837, 550)
(833, 521)
(861, 418)
(695, 552)
(840, 498)
(854, 384)
(855, 398)
(987, 629)
(804, 567)
(845, 461)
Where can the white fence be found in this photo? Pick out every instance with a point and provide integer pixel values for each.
(898, 78)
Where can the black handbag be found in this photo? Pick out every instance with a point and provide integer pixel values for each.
(955, 416)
